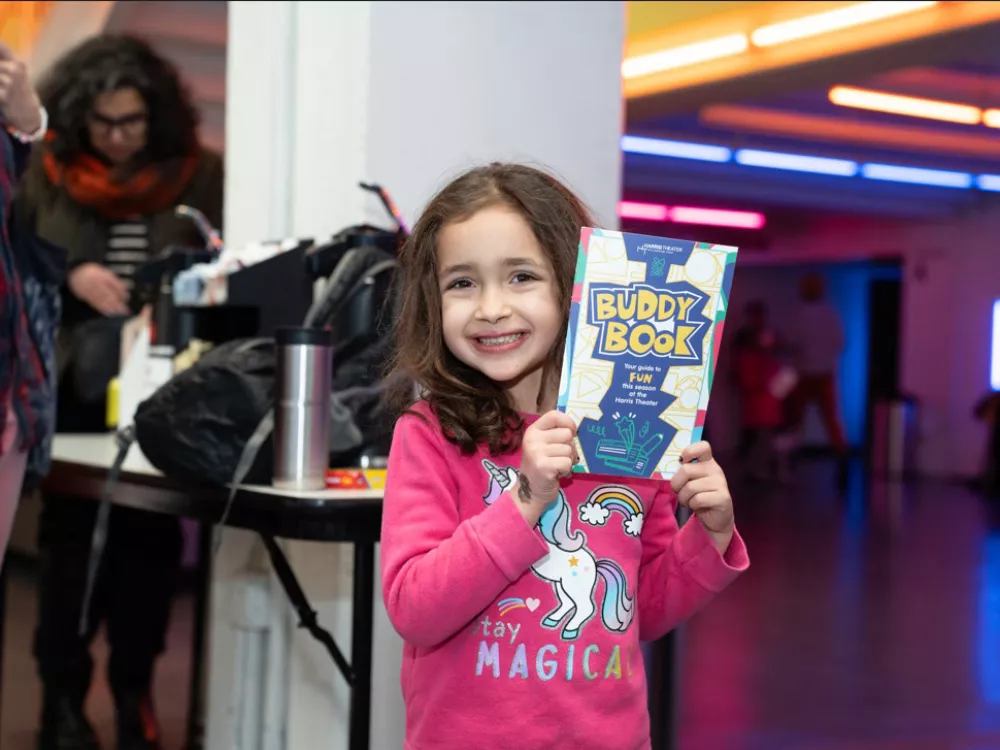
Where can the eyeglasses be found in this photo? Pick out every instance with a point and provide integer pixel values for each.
(130, 125)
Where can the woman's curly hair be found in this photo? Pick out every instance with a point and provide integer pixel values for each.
(111, 62)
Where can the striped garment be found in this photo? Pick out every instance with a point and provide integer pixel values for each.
(128, 249)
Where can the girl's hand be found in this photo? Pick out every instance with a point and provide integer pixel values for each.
(701, 485)
(547, 454)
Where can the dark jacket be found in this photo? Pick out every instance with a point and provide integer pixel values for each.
(84, 232)
(59, 219)
(40, 269)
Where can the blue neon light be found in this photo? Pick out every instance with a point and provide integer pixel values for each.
(677, 149)
(751, 157)
(917, 176)
(989, 182)
(807, 163)
(989, 621)
(995, 348)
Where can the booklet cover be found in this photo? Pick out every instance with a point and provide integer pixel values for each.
(645, 325)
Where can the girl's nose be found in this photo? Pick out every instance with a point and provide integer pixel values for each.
(492, 306)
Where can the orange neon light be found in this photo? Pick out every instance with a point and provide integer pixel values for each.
(837, 19)
(714, 48)
(991, 118)
(688, 54)
(908, 106)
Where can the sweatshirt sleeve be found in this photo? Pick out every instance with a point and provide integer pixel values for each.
(439, 572)
(681, 569)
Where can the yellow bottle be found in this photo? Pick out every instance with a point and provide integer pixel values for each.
(111, 413)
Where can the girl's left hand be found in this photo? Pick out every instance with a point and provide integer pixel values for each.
(701, 485)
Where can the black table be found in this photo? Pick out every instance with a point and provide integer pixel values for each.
(80, 466)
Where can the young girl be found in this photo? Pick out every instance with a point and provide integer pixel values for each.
(521, 595)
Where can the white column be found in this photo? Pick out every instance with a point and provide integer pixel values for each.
(322, 95)
(260, 121)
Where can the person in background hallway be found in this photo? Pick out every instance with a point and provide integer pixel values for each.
(747, 337)
(29, 303)
(754, 322)
(121, 154)
(817, 343)
(756, 367)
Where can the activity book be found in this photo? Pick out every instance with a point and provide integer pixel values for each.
(645, 324)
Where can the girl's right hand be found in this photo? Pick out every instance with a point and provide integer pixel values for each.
(548, 453)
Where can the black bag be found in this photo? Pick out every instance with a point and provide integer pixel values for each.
(196, 426)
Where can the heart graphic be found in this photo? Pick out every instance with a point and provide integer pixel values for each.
(531, 604)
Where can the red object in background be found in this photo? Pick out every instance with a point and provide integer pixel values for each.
(346, 479)
(754, 369)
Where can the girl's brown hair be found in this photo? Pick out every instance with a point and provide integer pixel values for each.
(471, 408)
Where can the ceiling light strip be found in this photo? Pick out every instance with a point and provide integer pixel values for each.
(795, 29)
(685, 55)
(991, 118)
(811, 164)
(715, 217)
(643, 211)
(676, 149)
(909, 106)
(917, 176)
(796, 162)
(832, 20)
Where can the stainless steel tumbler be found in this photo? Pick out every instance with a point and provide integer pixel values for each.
(302, 408)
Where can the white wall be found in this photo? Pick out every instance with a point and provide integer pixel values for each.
(321, 95)
(67, 25)
(531, 81)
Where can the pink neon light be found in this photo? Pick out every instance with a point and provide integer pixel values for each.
(644, 211)
(715, 217)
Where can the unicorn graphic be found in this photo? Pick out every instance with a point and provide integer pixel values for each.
(570, 567)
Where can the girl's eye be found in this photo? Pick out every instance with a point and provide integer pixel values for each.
(459, 284)
(522, 276)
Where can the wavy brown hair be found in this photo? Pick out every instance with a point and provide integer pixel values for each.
(472, 409)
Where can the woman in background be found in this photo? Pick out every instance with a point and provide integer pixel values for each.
(29, 303)
(121, 154)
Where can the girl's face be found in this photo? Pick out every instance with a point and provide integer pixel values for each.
(500, 310)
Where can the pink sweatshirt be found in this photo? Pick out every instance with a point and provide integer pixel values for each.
(528, 638)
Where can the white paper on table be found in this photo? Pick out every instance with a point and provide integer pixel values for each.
(132, 377)
(144, 370)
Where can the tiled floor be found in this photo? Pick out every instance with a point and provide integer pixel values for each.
(867, 622)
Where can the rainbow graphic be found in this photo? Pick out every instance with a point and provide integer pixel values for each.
(609, 499)
(506, 605)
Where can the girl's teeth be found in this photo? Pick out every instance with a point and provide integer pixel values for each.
(498, 340)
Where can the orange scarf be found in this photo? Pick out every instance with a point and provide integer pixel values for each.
(149, 190)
